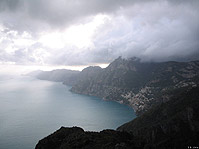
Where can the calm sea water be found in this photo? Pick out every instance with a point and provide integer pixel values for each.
(31, 109)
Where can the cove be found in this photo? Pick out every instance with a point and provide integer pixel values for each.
(31, 109)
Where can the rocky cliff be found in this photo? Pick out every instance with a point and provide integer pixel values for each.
(139, 84)
(77, 138)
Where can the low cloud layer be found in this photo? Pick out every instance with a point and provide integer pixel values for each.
(77, 32)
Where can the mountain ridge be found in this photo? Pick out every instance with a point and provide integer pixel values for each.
(138, 84)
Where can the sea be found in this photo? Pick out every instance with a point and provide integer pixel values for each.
(31, 109)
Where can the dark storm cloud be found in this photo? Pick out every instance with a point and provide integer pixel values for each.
(156, 30)
(152, 31)
(31, 14)
(55, 13)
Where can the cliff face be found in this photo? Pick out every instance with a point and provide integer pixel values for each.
(174, 124)
(140, 85)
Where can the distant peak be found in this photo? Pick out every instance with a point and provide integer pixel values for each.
(92, 68)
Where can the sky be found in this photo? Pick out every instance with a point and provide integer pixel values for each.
(78, 33)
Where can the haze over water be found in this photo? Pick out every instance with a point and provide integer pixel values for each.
(31, 109)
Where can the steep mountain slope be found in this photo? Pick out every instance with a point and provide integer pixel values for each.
(139, 84)
(172, 125)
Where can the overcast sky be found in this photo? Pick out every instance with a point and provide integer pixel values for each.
(88, 32)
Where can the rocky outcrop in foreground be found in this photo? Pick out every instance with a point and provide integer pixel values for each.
(77, 138)
(171, 125)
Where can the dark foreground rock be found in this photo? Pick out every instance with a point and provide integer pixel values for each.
(77, 138)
